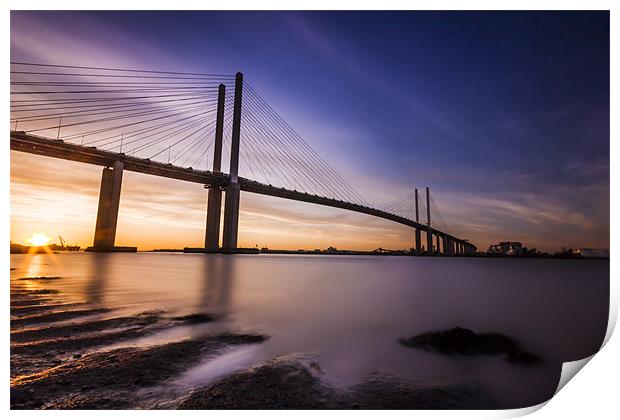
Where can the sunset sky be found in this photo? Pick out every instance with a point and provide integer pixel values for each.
(504, 115)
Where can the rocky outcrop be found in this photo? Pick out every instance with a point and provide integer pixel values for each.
(465, 342)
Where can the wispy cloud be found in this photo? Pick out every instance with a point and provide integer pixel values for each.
(346, 57)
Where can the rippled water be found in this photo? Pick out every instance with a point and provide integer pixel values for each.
(350, 311)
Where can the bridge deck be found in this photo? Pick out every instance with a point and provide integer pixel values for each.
(27, 143)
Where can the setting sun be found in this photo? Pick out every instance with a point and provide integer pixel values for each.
(39, 239)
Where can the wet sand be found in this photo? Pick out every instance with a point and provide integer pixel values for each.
(75, 355)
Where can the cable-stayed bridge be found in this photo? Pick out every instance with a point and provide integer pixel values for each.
(183, 126)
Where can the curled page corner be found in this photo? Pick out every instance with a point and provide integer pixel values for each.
(570, 369)
(613, 312)
(521, 412)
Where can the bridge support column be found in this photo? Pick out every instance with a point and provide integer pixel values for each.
(231, 205)
(107, 212)
(214, 203)
(438, 240)
(231, 217)
(429, 232)
(418, 241)
(418, 236)
(446, 247)
(214, 210)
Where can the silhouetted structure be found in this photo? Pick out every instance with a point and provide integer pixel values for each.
(288, 150)
(506, 248)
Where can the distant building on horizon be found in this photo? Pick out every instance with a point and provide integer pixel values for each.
(506, 248)
(592, 252)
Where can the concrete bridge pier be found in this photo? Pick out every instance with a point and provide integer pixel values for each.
(214, 210)
(231, 217)
(445, 245)
(418, 241)
(438, 247)
(107, 211)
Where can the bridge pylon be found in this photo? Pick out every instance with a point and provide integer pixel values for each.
(418, 238)
(214, 203)
(231, 205)
(429, 230)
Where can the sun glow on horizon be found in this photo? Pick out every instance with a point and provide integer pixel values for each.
(39, 239)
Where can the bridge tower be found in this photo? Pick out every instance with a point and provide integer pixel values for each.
(429, 230)
(231, 205)
(214, 203)
(418, 239)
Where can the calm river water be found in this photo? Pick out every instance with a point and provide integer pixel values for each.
(349, 312)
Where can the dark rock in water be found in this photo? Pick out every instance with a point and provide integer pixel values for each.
(283, 383)
(466, 342)
(457, 340)
(196, 318)
(296, 382)
(39, 277)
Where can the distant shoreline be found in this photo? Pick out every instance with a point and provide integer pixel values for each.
(385, 253)
(21, 249)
